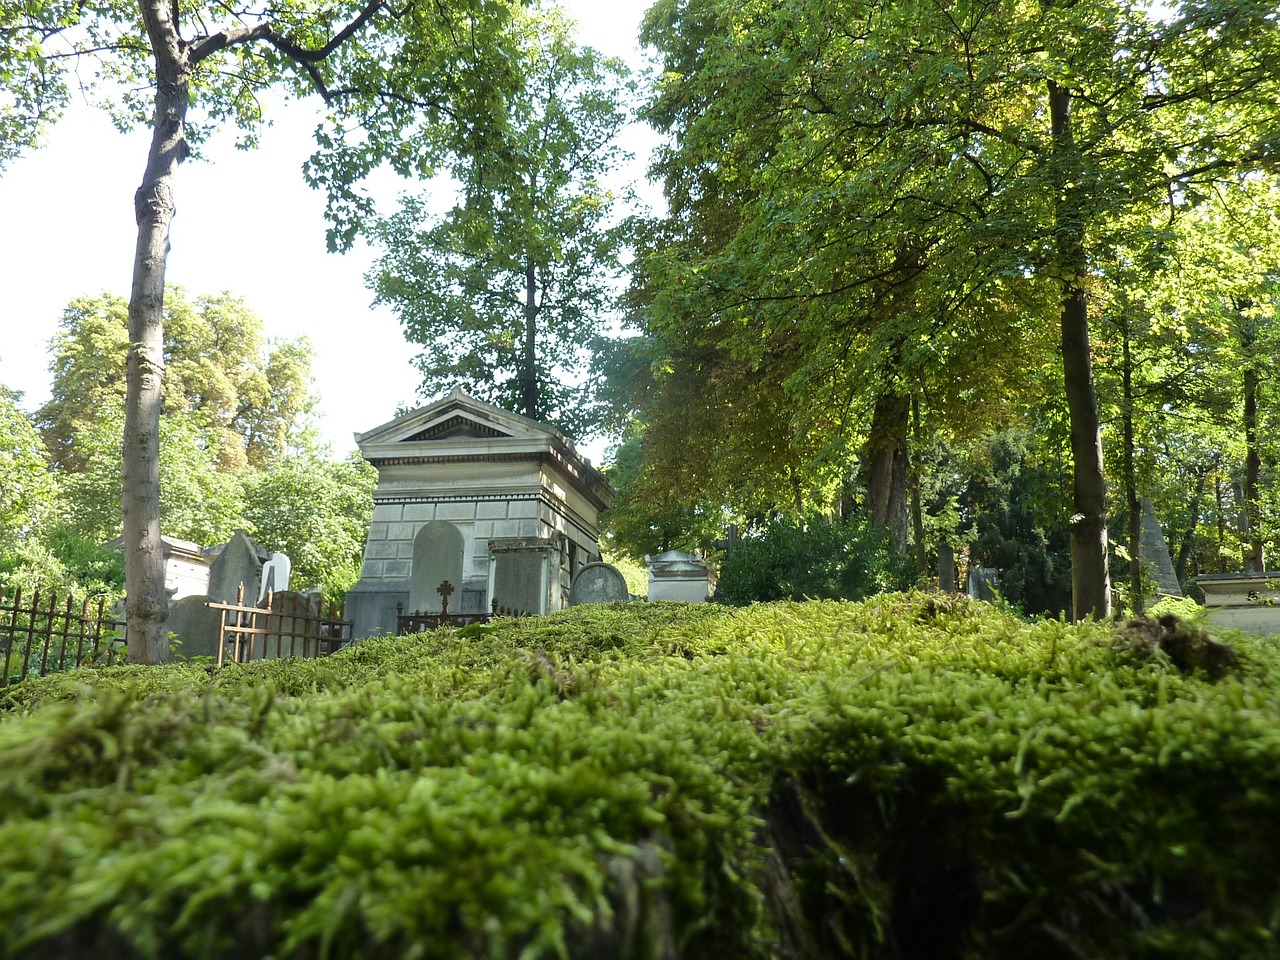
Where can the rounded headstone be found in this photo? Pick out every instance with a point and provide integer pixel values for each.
(598, 583)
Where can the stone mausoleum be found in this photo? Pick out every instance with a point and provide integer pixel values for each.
(500, 506)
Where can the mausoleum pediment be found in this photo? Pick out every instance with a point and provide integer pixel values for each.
(458, 416)
(456, 426)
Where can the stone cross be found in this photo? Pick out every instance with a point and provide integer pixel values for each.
(446, 591)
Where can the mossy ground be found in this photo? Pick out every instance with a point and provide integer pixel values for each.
(915, 776)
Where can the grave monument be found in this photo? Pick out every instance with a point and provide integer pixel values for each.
(599, 583)
(676, 575)
(501, 506)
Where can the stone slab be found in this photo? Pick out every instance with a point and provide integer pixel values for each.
(598, 583)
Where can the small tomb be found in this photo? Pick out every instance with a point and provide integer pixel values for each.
(499, 505)
(676, 575)
(1243, 601)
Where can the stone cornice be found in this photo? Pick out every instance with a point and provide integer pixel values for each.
(588, 481)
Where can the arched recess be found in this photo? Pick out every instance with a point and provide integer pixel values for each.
(437, 556)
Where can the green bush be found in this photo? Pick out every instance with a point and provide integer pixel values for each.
(819, 559)
(911, 777)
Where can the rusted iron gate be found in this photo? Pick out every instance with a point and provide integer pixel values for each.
(419, 622)
(30, 634)
(307, 635)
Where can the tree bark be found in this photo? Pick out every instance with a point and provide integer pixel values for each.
(886, 461)
(1193, 521)
(917, 508)
(1254, 560)
(1090, 576)
(147, 602)
(1137, 597)
(946, 567)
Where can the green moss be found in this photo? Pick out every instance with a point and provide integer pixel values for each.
(908, 777)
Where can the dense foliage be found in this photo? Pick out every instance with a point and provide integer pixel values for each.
(912, 777)
(220, 371)
(895, 222)
(817, 559)
(508, 290)
(236, 452)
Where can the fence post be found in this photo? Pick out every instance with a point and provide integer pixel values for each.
(31, 632)
(13, 624)
(48, 632)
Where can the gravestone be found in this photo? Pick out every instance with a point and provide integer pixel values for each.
(275, 575)
(437, 556)
(195, 625)
(984, 583)
(237, 563)
(1242, 601)
(522, 572)
(294, 630)
(598, 583)
(1155, 554)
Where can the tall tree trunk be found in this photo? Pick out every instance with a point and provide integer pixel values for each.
(886, 467)
(146, 602)
(1254, 561)
(1090, 577)
(1134, 505)
(917, 508)
(1193, 521)
(529, 352)
(1220, 502)
(946, 566)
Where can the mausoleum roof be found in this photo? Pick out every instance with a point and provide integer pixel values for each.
(458, 429)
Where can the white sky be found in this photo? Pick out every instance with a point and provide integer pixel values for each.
(246, 223)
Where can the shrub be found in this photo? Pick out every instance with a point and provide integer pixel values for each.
(821, 559)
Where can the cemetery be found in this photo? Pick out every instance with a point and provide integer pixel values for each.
(842, 530)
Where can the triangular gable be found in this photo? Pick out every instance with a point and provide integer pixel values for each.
(457, 416)
(454, 427)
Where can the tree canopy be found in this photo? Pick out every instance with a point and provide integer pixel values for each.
(27, 491)
(219, 371)
(508, 289)
(875, 205)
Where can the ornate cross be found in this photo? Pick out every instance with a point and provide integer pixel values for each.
(446, 591)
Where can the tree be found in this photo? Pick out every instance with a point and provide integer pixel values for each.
(648, 519)
(199, 499)
(910, 192)
(1220, 287)
(367, 59)
(508, 289)
(318, 513)
(27, 491)
(1011, 504)
(219, 370)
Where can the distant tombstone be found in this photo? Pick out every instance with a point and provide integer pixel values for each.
(1155, 553)
(195, 625)
(437, 556)
(675, 575)
(598, 583)
(237, 563)
(275, 575)
(984, 583)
